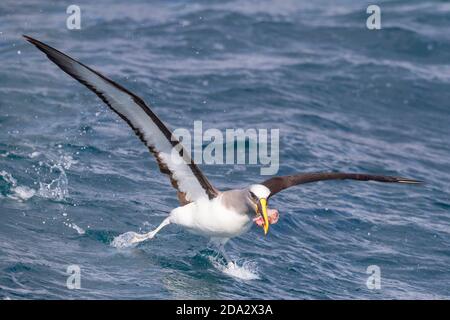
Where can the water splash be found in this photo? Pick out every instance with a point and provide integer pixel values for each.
(51, 178)
(131, 239)
(125, 240)
(78, 229)
(248, 270)
(58, 188)
(22, 193)
(17, 192)
(54, 171)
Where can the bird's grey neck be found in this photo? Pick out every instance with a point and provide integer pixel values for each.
(236, 200)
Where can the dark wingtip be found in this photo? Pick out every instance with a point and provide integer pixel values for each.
(32, 40)
(43, 47)
(28, 38)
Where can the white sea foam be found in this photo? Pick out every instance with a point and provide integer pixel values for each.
(17, 192)
(35, 154)
(22, 193)
(8, 178)
(247, 271)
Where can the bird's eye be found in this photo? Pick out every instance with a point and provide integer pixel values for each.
(253, 196)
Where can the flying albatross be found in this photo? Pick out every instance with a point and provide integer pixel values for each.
(203, 210)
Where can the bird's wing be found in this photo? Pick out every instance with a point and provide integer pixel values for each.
(277, 184)
(172, 159)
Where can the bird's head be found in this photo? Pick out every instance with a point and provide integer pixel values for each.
(258, 195)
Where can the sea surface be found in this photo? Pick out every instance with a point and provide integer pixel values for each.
(73, 176)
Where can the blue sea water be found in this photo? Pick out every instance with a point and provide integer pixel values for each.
(73, 175)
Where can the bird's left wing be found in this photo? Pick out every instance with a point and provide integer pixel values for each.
(172, 158)
(277, 184)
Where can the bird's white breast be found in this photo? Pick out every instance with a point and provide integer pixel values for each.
(211, 218)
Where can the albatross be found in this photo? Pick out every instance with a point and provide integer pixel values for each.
(204, 209)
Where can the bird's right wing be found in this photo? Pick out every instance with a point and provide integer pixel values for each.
(172, 159)
(277, 184)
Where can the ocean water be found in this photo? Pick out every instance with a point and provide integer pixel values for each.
(73, 176)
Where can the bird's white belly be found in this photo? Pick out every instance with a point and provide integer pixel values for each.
(211, 219)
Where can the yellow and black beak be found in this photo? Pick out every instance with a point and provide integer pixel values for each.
(262, 208)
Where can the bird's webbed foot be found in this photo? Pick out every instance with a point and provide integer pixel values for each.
(130, 238)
